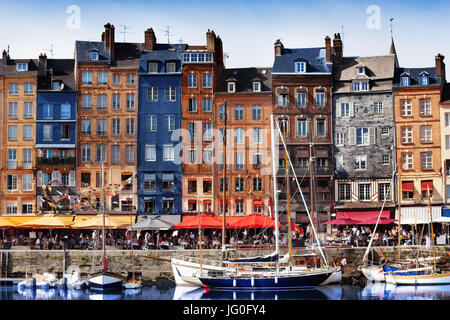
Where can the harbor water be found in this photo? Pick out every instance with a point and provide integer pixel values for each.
(375, 291)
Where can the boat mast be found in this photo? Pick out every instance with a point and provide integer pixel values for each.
(311, 181)
(303, 199)
(132, 253)
(200, 242)
(287, 193)
(275, 191)
(103, 216)
(399, 205)
(224, 184)
(431, 226)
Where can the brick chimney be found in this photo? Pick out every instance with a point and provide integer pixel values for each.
(108, 39)
(278, 48)
(210, 40)
(4, 55)
(328, 48)
(42, 67)
(150, 39)
(337, 47)
(440, 67)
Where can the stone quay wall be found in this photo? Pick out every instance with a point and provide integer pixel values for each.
(17, 263)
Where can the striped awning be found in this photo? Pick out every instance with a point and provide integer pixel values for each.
(408, 186)
(421, 215)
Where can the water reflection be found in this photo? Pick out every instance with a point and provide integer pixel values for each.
(384, 291)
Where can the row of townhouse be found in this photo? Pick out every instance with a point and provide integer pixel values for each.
(178, 133)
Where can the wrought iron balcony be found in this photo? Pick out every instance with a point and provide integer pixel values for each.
(55, 161)
(300, 171)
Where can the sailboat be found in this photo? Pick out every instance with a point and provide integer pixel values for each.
(104, 280)
(132, 283)
(285, 279)
(419, 276)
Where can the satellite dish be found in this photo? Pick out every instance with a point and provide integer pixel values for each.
(61, 87)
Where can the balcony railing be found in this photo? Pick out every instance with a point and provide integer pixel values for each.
(55, 161)
(305, 170)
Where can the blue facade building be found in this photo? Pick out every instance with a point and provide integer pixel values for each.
(159, 124)
(56, 103)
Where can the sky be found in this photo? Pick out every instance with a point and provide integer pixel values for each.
(248, 28)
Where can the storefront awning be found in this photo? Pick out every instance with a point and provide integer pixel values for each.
(156, 222)
(407, 186)
(361, 215)
(446, 213)
(421, 215)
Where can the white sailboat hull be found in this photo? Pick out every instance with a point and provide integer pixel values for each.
(186, 272)
(373, 273)
(425, 279)
(105, 281)
(335, 277)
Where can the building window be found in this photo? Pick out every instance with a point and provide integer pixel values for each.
(207, 185)
(407, 161)
(28, 109)
(192, 129)
(171, 67)
(48, 132)
(129, 154)
(231, 87)
(102, 77)
(320, 128)
(86, 152)
(150, 206)
(378, 108)
(192, 185)
(149, 182)
(192, 154)
(384, 191)
(447, 142)
(102, 101)
(152, 123)
(129, 126)
(238, 112)
(115, 154)
(239, 161)
(116, 101)
(360, 86)
(300, 67)
(169, 123)
(207, 131)
(283, 123)
(257, 184)
(301, 99)
(424, 80)
(11, 182)
(12, 110)
(86, 78)
(257, 136)
(302, 130)
(130, 101)
(240, 206)
(86, 101)
(407, 135)
(28, 88)
(167, 206)
(152, 93)
(27, 208)
(13, 89)
(345, 110)
(116, 79)
(256, 86)
(152, 67)
(168, 153)
(207, 156)
(239, 184)
(257, 159)
(221, 185)
(65, 111)
(85, 179)
(364, 192)
(256, 112)
(22, 66)
(425, 107)
(426, 160)
(344, 192)
(340, 139)
(12, 132)
(406, 108)
(86, 127)
(170, 93)
(93, 55)
(360, 162)
(405, 81)
(27, 132)
(65, 132)
(339, 162)
(447, 119)
(115, 127)
(167, 182)
(192, 80)
(150, 152)
(320, 98)
(12, 159)
(222, 112)
(27, 160)
(101, 153)
(101, 128)
(425, 134)
(206, 80)
(385, 159)
(192, 106)
(48, 111)
(362, 136)
(239, 136)
(206, 104)
(282, 100)
(385, 130)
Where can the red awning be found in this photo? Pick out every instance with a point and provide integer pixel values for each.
(407, 186)
(206, 222)
(257, 202)
(426, 185)
(254, 220)
(207, 201)
(361, 216)
(192, 201)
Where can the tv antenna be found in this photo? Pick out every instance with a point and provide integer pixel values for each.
(391, 24)
(51, 50)
(225, 56)
(342, 35)
(124, 32)
(167, 32)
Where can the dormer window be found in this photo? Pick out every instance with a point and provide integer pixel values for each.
(93, 55)
(361, 70)
(22, 66)
(300, 67)
(405, 81)
(170, 67)
(424, 80)
(256, 86)
(232, 86)
(56, 85)
(360, 86)
(152, 67)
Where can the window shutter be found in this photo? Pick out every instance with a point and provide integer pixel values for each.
(352, 136)
(338, 110)
(72, 179)
(372, 135)
(352, 109)
(39, 178)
